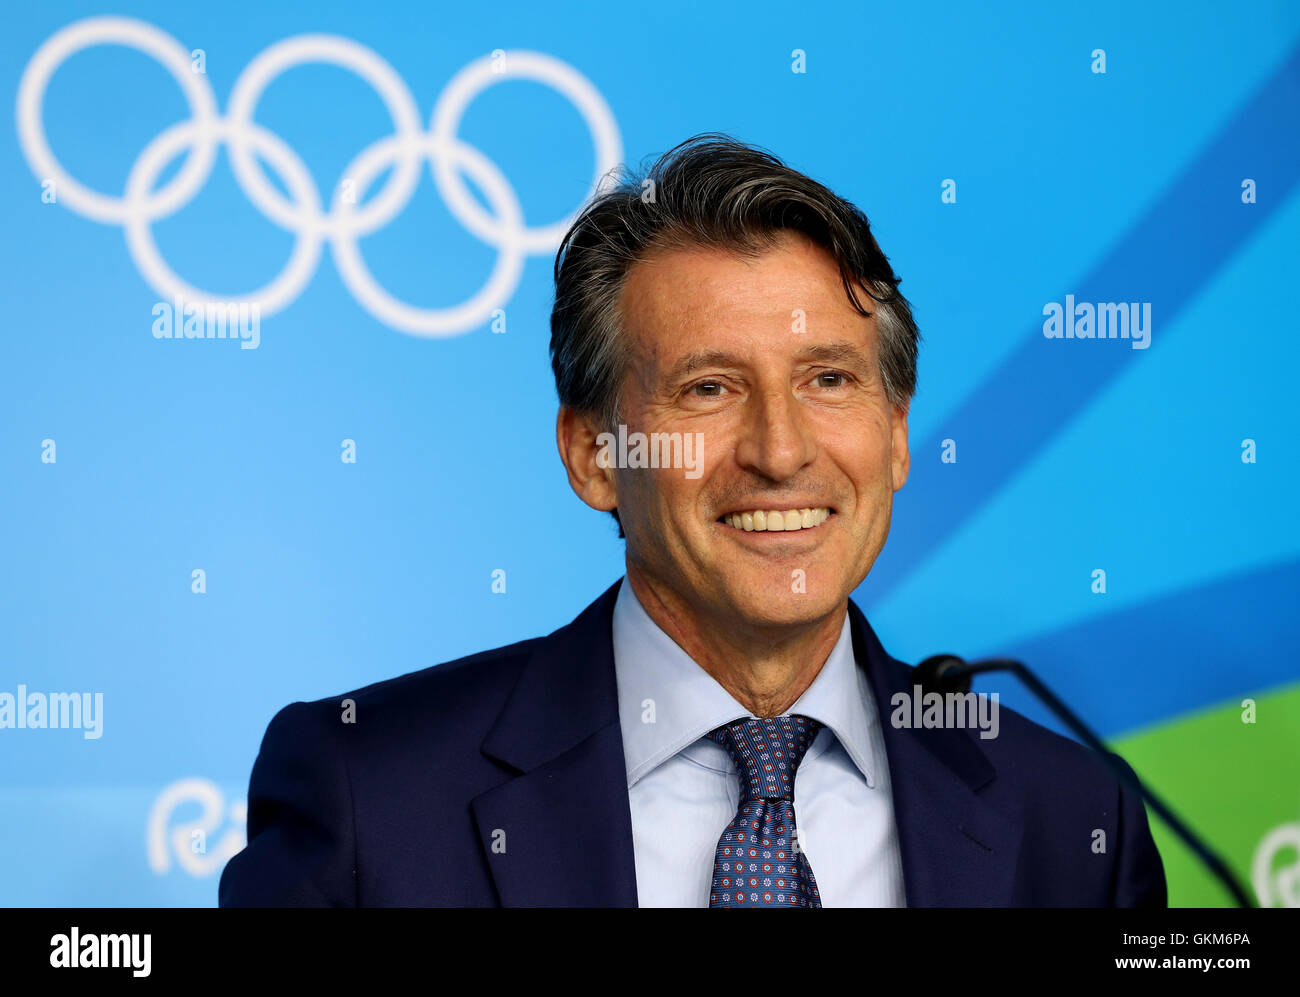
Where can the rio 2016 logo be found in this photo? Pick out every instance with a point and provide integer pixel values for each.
(1275, 871)
(186, 841)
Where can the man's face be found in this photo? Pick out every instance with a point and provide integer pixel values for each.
(767, 360)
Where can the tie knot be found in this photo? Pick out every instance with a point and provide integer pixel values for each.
(767, 752)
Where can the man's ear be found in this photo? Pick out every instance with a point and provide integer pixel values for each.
(582, 443)
(900, 455)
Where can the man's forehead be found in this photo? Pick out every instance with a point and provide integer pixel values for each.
(681, 303)
(695, 277)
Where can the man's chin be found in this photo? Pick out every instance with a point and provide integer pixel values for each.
(767, 605)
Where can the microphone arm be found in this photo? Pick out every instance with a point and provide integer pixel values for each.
(949, 673)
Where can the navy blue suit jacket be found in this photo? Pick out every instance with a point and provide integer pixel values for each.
(520, 747)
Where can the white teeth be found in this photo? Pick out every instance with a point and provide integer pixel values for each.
(777, 520)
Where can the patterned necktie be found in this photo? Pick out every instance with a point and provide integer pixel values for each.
(757, 863)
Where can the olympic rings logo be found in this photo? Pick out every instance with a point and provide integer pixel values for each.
(405, 151)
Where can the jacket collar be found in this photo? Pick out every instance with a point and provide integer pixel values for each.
(559, 833)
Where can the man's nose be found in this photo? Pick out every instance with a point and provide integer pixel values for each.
(775, 440)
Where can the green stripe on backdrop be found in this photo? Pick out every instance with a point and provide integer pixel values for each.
(1238, 784)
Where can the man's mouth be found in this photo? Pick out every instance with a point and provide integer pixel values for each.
(777, 520)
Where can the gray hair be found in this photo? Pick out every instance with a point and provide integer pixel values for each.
(711, 191)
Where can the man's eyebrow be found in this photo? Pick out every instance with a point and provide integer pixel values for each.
(839, 352)
(699, 359)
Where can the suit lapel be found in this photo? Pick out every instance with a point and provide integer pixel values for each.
(560, 832)
(957, 851)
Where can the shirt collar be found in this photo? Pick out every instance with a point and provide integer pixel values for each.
(666, 701)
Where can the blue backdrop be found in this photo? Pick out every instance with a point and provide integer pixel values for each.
(130, 462)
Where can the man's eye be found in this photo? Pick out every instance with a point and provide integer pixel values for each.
(836, 379)
(708, 389)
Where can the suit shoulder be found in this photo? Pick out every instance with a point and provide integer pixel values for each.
(479, 670)
(1024, 745)
(1021, 733)
(478, 682)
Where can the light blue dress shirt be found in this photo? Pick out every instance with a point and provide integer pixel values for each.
(684, 789)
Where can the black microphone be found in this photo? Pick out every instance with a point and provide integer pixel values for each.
(942, 673)
(947, 673)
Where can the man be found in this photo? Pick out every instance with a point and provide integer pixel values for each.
(715, 730)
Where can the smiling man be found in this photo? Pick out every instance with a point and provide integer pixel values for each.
(715, 729)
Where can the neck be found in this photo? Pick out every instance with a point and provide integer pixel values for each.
(766, 669)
